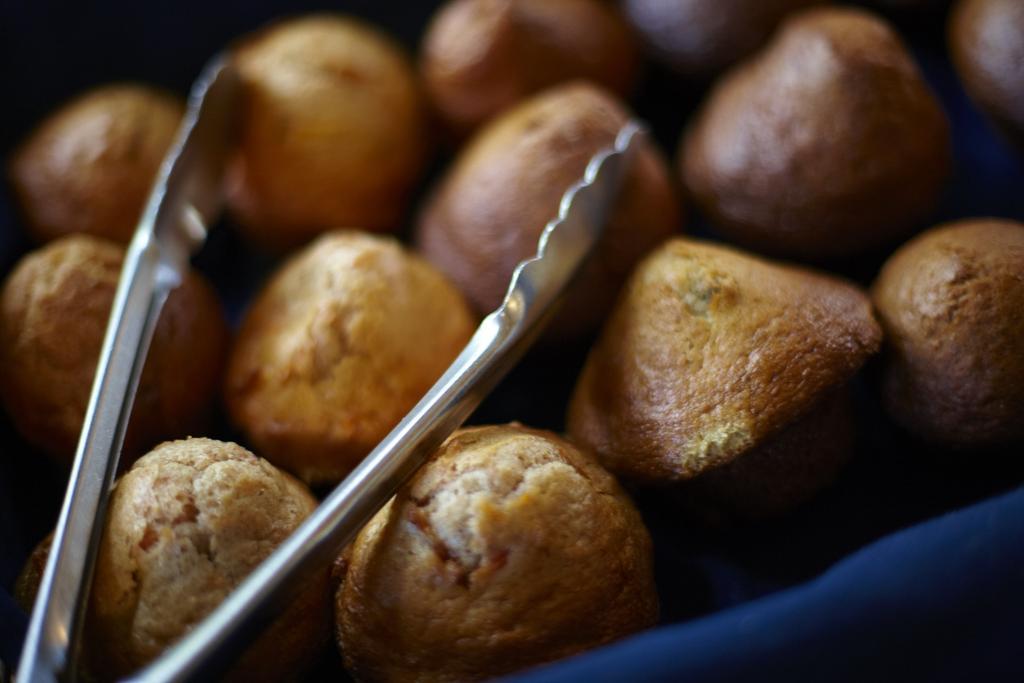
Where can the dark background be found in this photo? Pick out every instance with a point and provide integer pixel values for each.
(50, 51)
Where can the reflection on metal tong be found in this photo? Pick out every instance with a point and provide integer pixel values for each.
(186, 198)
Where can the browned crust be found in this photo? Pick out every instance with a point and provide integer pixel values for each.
(186, 524)
(709, 353)
(53, 314)
(509, 549)
(333, 132)
(951, 303)
(480, 57)
(89, 166)
(490, 208)
(827, 143)
(337, 347)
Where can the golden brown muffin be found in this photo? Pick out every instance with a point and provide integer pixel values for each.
(333, 131)
(952, 305)
(986, 41)
(482, 56)
(185, 526)
(90, 165)
(700, 38)
(726, 370)
(490, 209)
(510, 548)
(825, 144)
(337, 348)
(54, 308)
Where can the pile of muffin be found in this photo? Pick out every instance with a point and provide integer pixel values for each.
(719, 376)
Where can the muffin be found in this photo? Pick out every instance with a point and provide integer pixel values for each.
(185, 526)
(89, 167)
(333, 131)
(480, 57)
(825, 144)
(337, 348)
(986, 42)
(727, 374)
(700, 38)
(490, 209)
(54, 308)
(950, 301)
(509, 549)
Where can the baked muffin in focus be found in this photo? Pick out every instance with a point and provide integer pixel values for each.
(341, 343)
(480, 57)
(825, 144)
(509, 549)
(700, 38)
(986, 41)
(89, 166)
(333, 131)
(726, 372)
(492, 205)
(54, 308)
(186, 525)
(952, 304)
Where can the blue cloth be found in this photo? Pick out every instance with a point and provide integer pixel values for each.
(942, 601)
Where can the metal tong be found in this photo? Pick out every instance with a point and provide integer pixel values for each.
(172, 227)
(186, 198)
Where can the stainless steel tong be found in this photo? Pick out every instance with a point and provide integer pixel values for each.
(184, 200)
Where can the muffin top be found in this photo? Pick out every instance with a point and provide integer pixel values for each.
(709, 352)
(338, 346)
(54, 308)
(333, 130)
(510, 548)
(950, 301)
(89, 167)
(490, 208)
(826, 143)
(186, 524)
(481, 56)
